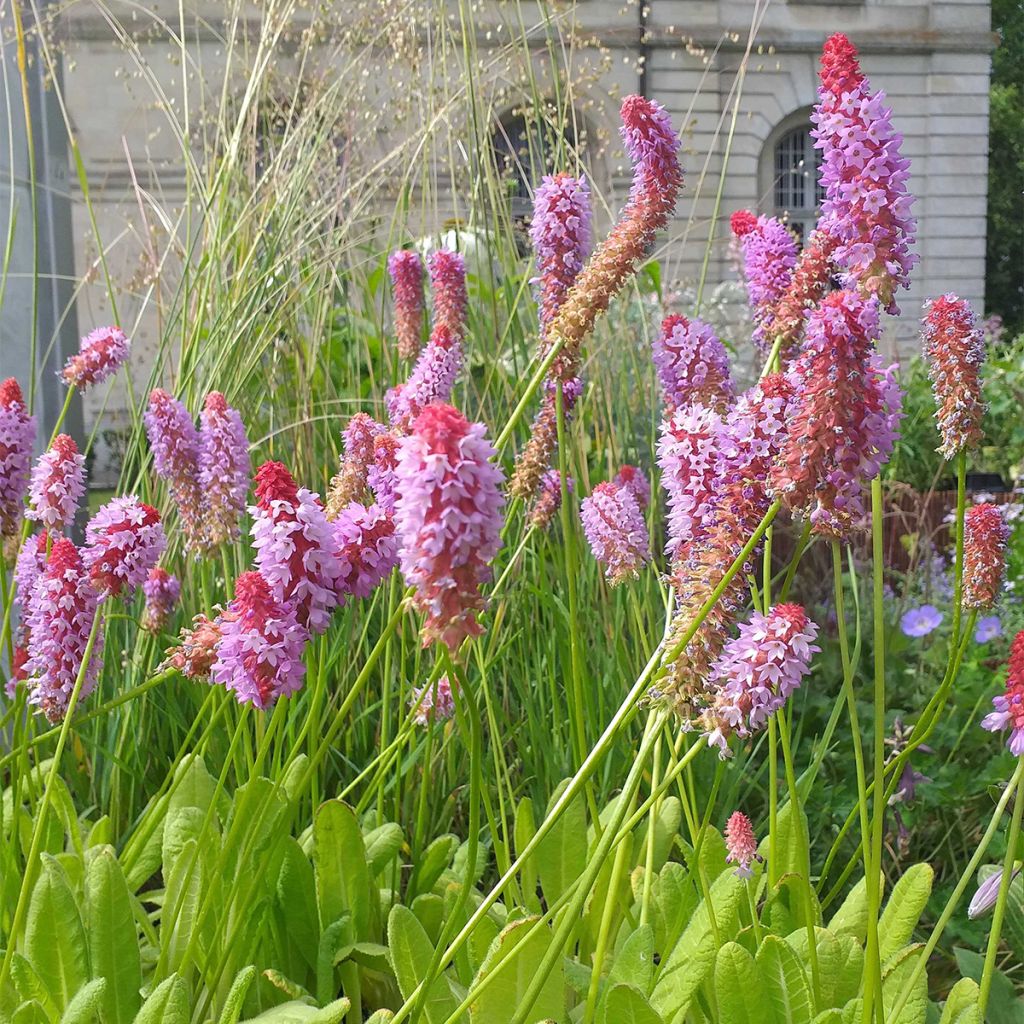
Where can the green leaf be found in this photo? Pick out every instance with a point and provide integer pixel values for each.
(382, 844)
(832, 956)
(739, 989)
(832, 1016)
(515, 957)
(181, 905)
(902, 912)
(666, 828)
(673, 901)
(87, 1004)
(562, 854)
(339, 863)
(236, 995)
(784, 982)
(625, 1005)
(790, 843)
(30, 1013)
(301, 1013)
(30, 987)
(1003, 1005)
(525, 830)
(961, 1005)
(852, 916)
(381, 1017)
(113, 937)
(411, 953)
(335, 945)
(54, 937)
(436, 857)
(167, 1004)
(634, 964)
(895, 976)
(296, 900)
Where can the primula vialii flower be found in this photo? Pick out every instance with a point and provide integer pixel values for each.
(692, 365)
(985, 537)
(448, 283)
(758, 671)
(100, 355)
(60, 618)
(535, 459)
(17, 435)
(406, 270)
(223, 470)
(867, 205)
(367, 548)
(124, 540)
(162, 591)
(549, 498)
(740, 843)
(634, 478)
(433, 702)
(175, 443)
(844, 424)
(58, 483)
(29, 566)
(380, 474)
(259, 655)
(349, 483)
(955, 349)
(431, 380)
(560, 232)
(194, 654)
(769, 256)
(1009, 706)
(295, 549)
(616, 531)
(448, 514)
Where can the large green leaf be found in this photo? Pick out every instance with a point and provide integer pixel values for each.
(673, 901)
(411, 953)
(515, 958)
(181, 905)
(961, 1005)
(87, 1005)
(525, 828)
(167, 1003)
(790, 843)
(634, 963)
(666, 828)
(431, 865)
(30, 1013)
(562, 854)
(831, 957)
(301, 1013)
(785, 984)
(895, 976)
(1003, 1005)
(381, 845)
(339, 862)
(232, 1009)
(297, 903)
(113, 937)
(29, 986)
(54, 937)
(739, 990)
(625, 1005)
(902, 912)
(852, 916)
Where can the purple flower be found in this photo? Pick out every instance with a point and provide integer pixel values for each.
(692, 364)
(367, 548)
(17, 434)
(100, 355)
(549, 498)
(431, 380)
(406, 270)
(432, 703)
(987, 893)
(223, 470)
(175, 444)
(769, 256)
(921, 621)
(616, 531)
(634, 478)
(162, 591)
(58, 483)
(259, 656)
(123, 541)
(560, 232)
(987, 629)
(447, 271)
(29, 567)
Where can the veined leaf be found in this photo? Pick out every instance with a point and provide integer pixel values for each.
(739, 988)
(87, 1005)
(339, 862)
(167, 1004)
(961, 1005)
(236, 995)
(625, 1005)
(562, 854)
(411, 953)
(785, 984)
(902, 912)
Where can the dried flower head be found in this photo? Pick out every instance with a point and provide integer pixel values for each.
(17, 435)
(58, 483)
(448, 515)
(432, 702)
(1009, 705)
(406, 270)
(985, 536)
(162, 591)
(223, 470)
(123, 541)
(955, 349)
(100, 355)
(194, 654)
(692, 365)
(549, 498)
(616, 531)
(535, 458)
(349, 483)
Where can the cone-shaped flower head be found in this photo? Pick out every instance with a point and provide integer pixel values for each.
(406, 270)
(433, 702)
(985, 535)
(100, 355)
(175, 444)
(955, 348)
(431, 380)
(535, 458)
(740, 843)
(560, 232)
(692, 365)
(349, 483)
(758, 671)
(367, 548)
(636, 480)
(843, 427)
(60, 617)
(1009, 705)
(162, 591)
(194, 654)
(17, 435)
(123, 541)
(448, 514)
(259, 656)
(58, 483)
(448, 283)
(29, 567)
(549, 498)
(867, 205)
(616, 531)
(294, 544)
(380, 474)
(223, 470)
(769, 256)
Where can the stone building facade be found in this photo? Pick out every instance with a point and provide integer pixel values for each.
(932, 57)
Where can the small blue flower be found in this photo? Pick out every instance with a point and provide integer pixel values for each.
(987, 629)
(920, 621)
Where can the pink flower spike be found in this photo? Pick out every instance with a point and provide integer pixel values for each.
(58, 483)
(692, 364)
(17, 435)
(29, 567)
(616, 531)
(162, 591)
(448, 282)
(223, 470)
(100, 355)
(431, 380)
(194, 654)
(432, 703)
(124, 540)
(1009, 706)
(740, 844)
(986, 533)
(769, 256)
(260, 653)
(635, 480)
(448, 515)
(349, 483)
(367, 549)
(406, 270)
(176, 446)
(549, 498)
(60, 617)
(295, 550)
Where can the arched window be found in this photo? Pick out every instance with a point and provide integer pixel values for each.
(795, 165)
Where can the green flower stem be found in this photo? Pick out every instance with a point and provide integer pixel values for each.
(645, 900)
(1004, 892)
(958, 565)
